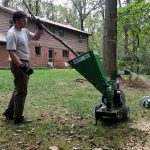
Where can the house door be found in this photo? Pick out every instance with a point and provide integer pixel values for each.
(50, 58)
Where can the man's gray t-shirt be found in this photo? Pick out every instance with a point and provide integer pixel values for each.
(18, 40)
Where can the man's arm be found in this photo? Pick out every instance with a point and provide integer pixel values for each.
(14, 57)
(37, 35)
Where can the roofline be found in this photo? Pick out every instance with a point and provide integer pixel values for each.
(7, 9)
(69, 27)
(2, 38)
(49, 21)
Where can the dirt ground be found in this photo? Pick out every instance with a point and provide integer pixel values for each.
(143, 143)
(142, 126)
(135, 81)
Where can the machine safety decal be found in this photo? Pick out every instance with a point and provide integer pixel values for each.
(82, 58)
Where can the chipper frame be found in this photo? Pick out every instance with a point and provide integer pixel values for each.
(113, 107)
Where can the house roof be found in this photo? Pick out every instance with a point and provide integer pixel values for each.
(66, 26)
(7, 9)
(2, 38)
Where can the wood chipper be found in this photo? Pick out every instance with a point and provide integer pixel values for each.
(113, 107)
(89, 66)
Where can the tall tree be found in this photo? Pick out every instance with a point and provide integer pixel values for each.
(48, 9)
(110, 37)
(37, 7)
(95, 27)
(84, 8)
(126, 35)
(135, 20)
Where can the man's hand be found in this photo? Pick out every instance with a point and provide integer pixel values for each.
(29, 17)
(38, 23)
(26, 69)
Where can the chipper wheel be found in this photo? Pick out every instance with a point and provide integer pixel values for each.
(98, 106)
(124, 113)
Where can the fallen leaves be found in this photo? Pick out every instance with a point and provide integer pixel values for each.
(141, 138)
(76, 148)
(142, 125)
(55, 148)
(28, 146)
(31, 132)
(3, 140)
(18, 131)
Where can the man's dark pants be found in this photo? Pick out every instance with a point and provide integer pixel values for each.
(17, 101)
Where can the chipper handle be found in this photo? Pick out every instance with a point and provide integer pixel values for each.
(52, 34)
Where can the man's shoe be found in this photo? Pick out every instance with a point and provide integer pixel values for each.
(19, 120)
(8, 116)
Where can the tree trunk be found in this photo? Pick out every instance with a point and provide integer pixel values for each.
(82, 24)
(37, 7)
(110, 37)
(119, 2)
(135, 47)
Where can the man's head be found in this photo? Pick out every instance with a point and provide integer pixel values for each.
(20, 18)
(18, 15)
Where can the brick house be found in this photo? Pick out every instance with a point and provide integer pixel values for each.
(47, 51)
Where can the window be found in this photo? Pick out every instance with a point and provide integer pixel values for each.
(37, 50)
(80, 38)
(65, 53)
(61, 32)
(11, 23)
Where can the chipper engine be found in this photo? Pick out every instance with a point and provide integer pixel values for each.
(113, 99)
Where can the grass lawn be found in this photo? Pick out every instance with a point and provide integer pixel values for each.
(62, 114)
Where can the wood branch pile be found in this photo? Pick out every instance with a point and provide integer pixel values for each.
(136, 81)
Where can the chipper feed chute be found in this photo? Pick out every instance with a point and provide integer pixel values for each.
(89, 66)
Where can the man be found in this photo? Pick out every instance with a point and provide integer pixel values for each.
(18, 38)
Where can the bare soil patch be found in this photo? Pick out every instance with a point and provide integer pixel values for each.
(143, 142)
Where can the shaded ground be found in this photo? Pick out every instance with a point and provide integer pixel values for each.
(135, 81)
(137, 143)
(140, 139)
(142, 126)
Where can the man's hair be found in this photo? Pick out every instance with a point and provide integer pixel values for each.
(18, 15)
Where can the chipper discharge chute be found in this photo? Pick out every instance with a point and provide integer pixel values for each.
(113, 107)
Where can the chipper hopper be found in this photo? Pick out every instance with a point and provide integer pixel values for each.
(113, 107)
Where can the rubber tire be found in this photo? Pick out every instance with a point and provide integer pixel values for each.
(98, 106)
(125, 113)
